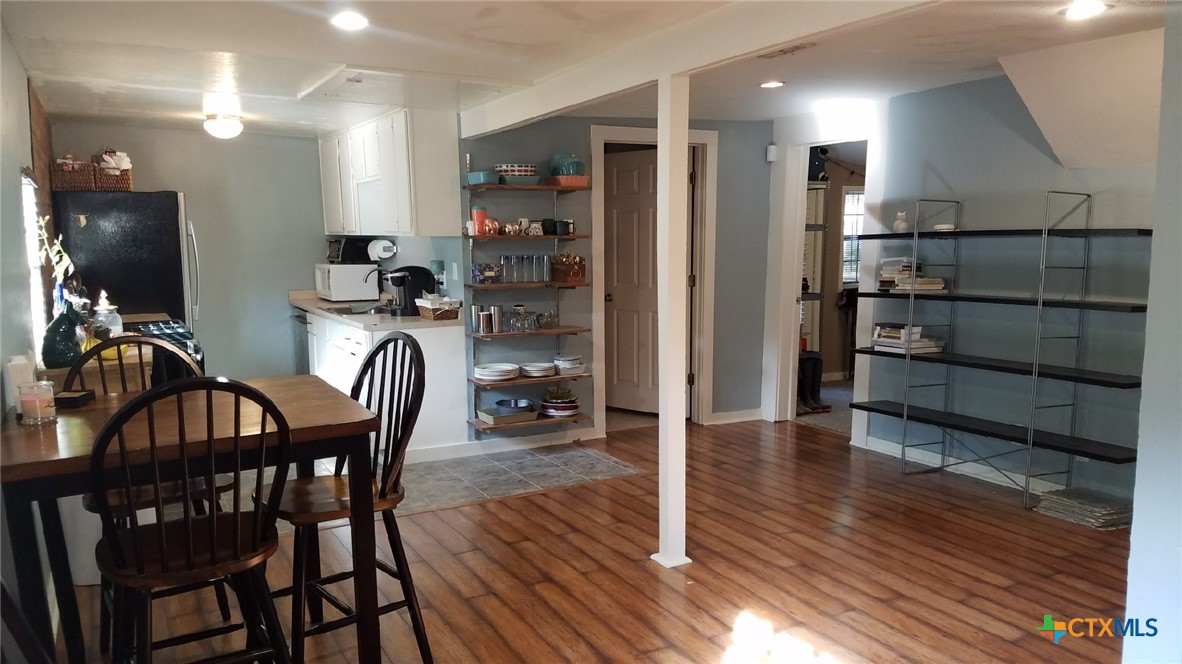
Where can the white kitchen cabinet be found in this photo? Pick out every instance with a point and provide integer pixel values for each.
(336, 186)
(396, 175)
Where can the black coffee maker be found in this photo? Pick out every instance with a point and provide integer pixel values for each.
(409, 283)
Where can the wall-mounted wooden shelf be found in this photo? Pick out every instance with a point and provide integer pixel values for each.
(514, 382)
(525, 285)
(545, 332)
(524, 187)
(543, 420)
(560, 238)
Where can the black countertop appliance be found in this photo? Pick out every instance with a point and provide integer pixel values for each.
(409, 283)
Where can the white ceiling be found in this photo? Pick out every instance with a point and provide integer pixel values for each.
(155, 62)
(935, 45)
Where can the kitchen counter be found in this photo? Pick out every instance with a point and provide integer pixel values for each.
(307, 301)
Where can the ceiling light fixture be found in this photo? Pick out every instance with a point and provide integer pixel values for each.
(772, 84)
(223, 126)
(1084, 9)
(350, 20)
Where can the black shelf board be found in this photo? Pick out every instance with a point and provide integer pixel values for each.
(1047, 440)
(811, 297)
(1014, 232)
(814, 227)
(1069, 374)
(1092, 305)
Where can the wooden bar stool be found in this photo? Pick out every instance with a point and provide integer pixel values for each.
(219, 426)
(136, 364)
(390, 383)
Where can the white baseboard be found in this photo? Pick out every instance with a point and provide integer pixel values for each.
(733, 416)
(978, 470)
(832, 377)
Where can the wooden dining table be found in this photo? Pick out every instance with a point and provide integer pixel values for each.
(39, 464)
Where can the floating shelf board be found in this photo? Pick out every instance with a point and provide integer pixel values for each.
(1082, 376)
(1016, 232)
(494, 384)
(811, 297)
(560, 238)
(550, 331)
(1047, 440)
(814, 227)
(525, 285)
(523, 187)
(1127, 307)
(543, 420)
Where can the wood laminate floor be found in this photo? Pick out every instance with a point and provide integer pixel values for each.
(787, 523)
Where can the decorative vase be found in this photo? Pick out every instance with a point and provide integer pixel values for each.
(60, 348)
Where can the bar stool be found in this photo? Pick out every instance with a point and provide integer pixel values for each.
(390, 383)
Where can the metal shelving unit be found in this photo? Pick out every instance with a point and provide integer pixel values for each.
(1029, 436)
(479, 426)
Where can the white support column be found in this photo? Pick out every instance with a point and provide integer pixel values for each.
(672, 318)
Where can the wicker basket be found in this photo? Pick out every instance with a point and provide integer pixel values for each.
(105, 181)
(427, 313)
(564, 273)
(74, 176)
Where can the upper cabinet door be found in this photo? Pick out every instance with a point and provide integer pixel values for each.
(348, 206)
(366, 160)
(394, 138)
(330, 186)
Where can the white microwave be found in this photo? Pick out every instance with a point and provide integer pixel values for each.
(341, 283)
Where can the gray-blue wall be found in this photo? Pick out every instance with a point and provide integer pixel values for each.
(740, 244)
(255, 203)
(976, 143)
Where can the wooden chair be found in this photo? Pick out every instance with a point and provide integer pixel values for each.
(22, 633)
(207, 416)
(114, 358)
(135, 364)
(390, 383)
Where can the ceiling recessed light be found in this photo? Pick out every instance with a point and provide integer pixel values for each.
(350, 20)
(772, 84)
(1085, 9)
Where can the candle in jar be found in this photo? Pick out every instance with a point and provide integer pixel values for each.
(36, 402)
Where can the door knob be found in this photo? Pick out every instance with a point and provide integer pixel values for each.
(607, 298)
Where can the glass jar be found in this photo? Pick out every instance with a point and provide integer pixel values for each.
(109, 318)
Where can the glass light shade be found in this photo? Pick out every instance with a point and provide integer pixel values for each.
(223, 126)
(1084, 9)
(350, 20)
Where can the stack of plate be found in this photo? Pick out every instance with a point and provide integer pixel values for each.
(538, 369)
(560, 407)
(496, 371)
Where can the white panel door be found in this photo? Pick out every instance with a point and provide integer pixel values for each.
(630, 215)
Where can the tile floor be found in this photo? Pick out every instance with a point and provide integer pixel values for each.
(436, 484)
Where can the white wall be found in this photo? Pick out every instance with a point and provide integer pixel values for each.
(15, 152)
(255, 203)
(1155, 557)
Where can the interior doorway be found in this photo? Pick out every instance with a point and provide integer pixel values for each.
(835, 207)
(625, 217)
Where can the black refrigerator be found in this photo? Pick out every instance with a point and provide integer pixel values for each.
(137, 246)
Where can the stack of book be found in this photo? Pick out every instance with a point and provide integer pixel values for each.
(899, 337)
(894, 268)
(1087, 507)
(919, 283)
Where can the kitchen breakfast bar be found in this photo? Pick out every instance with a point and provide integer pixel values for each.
(39, 464)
